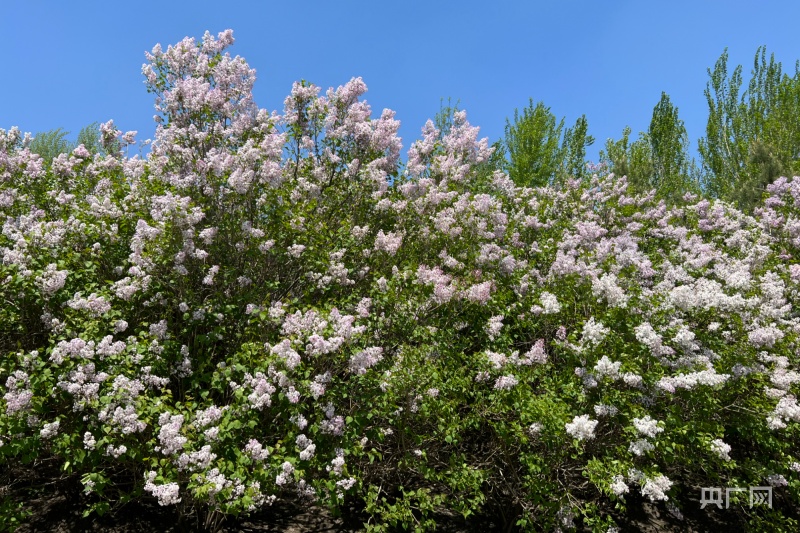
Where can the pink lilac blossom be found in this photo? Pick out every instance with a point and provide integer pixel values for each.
(388, 242)
(505, 382)
(479, 293)
(167, 494)
(18, 396)
(255, 450)
(494, 326)
(94, 304)
(197, 460)
(169, 435)
(361, 361)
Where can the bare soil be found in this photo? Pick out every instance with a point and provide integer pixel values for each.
(55, 503)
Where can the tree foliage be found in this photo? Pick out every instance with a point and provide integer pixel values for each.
(50, 144)
(753, 138)
(533, 146)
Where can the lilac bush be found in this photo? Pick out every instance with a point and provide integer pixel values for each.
(270, 305)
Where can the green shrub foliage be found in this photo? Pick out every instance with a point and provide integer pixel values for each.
(272, 306)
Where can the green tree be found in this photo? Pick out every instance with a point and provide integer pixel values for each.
(533, 146)
(669, 145)
(89, 137)
(49, 144)
(658, 159)
(750, 139)
(631, 159)
(573, 148)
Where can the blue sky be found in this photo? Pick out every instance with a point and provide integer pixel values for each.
(72, 63)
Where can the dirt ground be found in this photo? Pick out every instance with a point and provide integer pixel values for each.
(56, 505)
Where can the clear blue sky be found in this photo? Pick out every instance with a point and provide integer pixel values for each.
(71, 63)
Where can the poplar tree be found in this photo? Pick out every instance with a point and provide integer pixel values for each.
(751, 139)
(533, 146)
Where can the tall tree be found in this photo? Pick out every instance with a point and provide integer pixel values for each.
(573, 148)
(49, 144)
(533, 146)
(631, 159)
(89, 137)
(669, 145)
(750, 139)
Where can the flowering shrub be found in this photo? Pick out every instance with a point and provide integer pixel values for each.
(270, 306)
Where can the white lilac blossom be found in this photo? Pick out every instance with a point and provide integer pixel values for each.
(655, 488)
(116, 451)
(286, 472)
(606, 287)
(49, 430)
(689, 381)
(765, 337)
(605, 367)
(89, 441)
(169, 435)
(631, 379)
(582, 427)
(549, 303)
(721, 449)
(594, 332)
(605, 410)
(52, 280)
(640, 447)
(618, 485)
(777, 480)
(337, 465)
(197, 460)
(647, 426)
(255, 450)
(535, 429)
